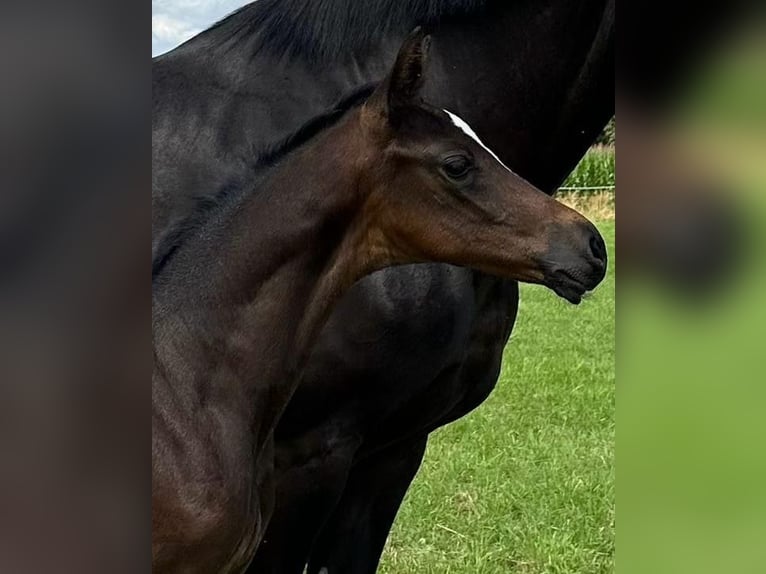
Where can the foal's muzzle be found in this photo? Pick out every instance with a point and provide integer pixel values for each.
(576, 260)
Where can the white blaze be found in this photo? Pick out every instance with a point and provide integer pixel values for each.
(461, 123)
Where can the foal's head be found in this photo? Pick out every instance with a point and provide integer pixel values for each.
(434, 192)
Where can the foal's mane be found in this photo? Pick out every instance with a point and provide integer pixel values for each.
(315, 125)
(324, 30)
(206, 207)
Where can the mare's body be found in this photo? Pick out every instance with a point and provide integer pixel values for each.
(411, 348)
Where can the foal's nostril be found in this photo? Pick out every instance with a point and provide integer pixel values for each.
(597, 247)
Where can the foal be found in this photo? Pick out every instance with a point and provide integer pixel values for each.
(237, 306)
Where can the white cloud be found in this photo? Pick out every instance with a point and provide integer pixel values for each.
(170, 31)
(175, 21)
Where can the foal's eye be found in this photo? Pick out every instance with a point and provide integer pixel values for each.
(456, 167)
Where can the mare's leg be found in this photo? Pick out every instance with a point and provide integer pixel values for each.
(353, 539)
(310, 475)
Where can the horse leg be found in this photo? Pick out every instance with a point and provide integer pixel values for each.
(307, 491)
(352, 541)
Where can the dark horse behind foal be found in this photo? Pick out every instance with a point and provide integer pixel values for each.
(238, 305)
(409, 348)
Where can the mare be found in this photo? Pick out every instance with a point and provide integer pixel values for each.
(409, 348)
(238, 305)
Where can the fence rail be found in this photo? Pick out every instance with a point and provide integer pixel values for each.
(585, 188)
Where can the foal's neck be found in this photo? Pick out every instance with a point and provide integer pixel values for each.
(249, 294)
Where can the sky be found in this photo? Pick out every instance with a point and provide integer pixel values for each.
(175, 21)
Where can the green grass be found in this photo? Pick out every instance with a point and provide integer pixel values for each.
(525, 484)
(595, 169)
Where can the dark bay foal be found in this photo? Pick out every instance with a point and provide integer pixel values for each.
(238, 305)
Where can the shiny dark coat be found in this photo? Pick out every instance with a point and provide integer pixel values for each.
(408, 349)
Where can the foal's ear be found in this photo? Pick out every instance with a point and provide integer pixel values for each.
(405, 80)
(407, 76)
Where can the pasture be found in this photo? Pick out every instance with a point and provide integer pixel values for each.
(525, 483)
(590, 187)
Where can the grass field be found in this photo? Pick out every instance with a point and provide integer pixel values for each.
(525, 484)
